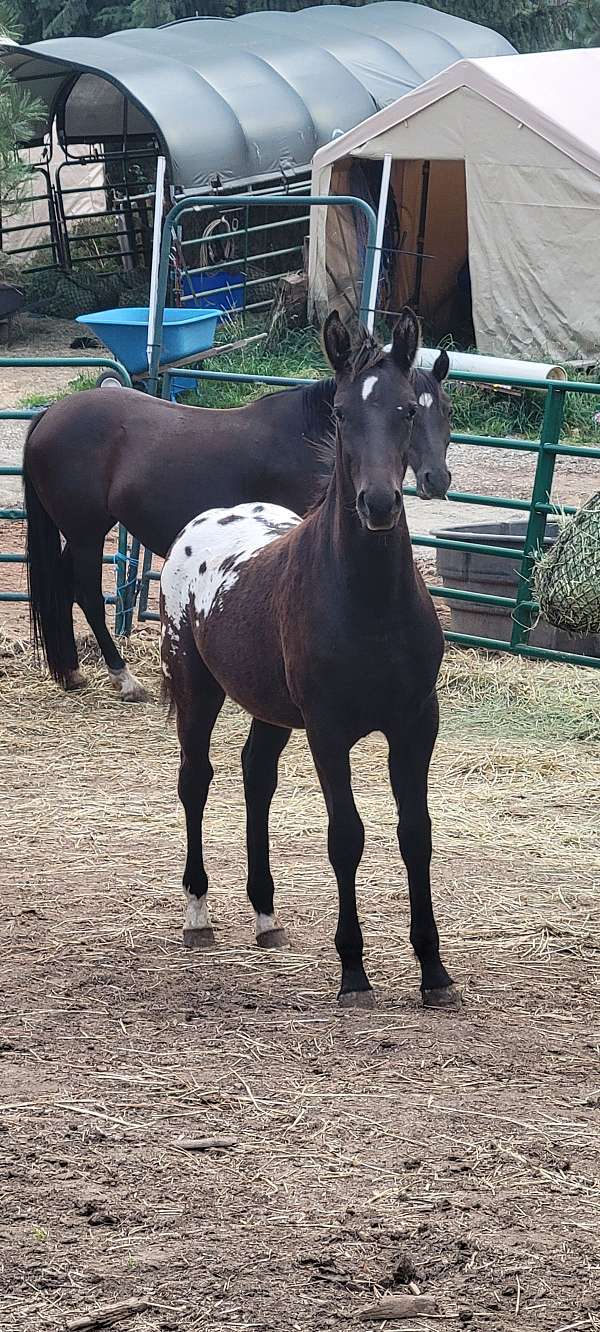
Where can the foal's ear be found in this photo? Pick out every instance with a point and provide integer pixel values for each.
(336, 341)
(441, 367)
(405, 340)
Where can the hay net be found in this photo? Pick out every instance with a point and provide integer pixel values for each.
(567, 577)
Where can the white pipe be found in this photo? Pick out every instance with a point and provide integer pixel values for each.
(161, 165)
(381, 211)
(470, 363)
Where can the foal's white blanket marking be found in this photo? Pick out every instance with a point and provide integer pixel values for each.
(206, 559)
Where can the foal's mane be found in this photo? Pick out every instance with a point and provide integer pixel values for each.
(318, 422)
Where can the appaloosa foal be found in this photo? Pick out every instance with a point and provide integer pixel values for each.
(323, 624)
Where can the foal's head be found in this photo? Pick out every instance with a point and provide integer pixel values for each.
(375, 407)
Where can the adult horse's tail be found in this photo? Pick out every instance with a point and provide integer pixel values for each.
(48, 577)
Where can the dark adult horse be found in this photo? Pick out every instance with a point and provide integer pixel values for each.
(108, 456)
(322, 624)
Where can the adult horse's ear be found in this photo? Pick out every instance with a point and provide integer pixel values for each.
(405, 340)
(441, 367)
(336, 341)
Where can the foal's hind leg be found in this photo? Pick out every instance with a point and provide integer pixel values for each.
(199, 701)
(409, 759)
(260, 759)
(87, 572)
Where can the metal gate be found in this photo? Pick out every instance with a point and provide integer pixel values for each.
(123, 596)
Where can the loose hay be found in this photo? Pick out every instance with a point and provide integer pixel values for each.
(468, 1144)
(567, 577)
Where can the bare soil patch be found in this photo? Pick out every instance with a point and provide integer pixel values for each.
(460, 1152)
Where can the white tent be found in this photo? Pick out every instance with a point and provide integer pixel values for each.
(509, 148)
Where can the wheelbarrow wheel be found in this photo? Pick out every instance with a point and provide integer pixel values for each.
(108, 379)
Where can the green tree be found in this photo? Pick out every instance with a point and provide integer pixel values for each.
(531, 25)
(18, 116)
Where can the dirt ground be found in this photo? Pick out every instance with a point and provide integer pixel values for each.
(366, 1150)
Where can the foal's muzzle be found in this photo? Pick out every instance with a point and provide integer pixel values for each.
(379, 508)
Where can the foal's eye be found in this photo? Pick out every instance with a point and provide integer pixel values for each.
(339, 415)
(410, 412)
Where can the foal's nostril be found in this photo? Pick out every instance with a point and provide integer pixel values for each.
(398, 498)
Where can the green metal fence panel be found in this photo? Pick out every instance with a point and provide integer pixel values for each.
(523, 606)
(120, 560)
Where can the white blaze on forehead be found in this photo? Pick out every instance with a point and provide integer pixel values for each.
(426, 400)
(368, 386)
(230, 537)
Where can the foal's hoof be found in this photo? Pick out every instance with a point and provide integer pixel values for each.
(356, 999)
(448, 997)
(75, 680)
(204, 938)
(272, 939)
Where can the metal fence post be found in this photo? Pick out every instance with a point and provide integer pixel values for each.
(540, 499)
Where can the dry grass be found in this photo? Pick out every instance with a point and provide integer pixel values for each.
(366, 1145)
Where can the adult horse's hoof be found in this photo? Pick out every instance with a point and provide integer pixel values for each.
(356, 999)
(272, 939)
(75, 680)
(128, 688)
(204, 938)
(448, 997)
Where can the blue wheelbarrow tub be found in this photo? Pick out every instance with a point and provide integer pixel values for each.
(125, 333)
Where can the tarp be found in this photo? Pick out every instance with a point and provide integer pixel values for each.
(85, 180)
(243, 98)
(523, 133)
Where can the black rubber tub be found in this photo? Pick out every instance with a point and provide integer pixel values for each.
(472, 572)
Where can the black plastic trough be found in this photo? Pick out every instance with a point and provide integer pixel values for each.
(471, 571)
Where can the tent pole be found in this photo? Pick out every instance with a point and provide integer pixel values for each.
(159, 203)
(416, 300)
(381, 212)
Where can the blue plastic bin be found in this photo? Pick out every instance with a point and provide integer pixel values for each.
(125, 333)
(223, 291)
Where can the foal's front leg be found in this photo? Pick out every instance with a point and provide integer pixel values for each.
(345, 844)
(409, 759)
(260, 759)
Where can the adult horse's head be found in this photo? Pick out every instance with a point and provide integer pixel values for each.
(431, 431)
(376, 408)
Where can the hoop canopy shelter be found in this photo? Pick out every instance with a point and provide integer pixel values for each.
(512, 150)
(242, 98)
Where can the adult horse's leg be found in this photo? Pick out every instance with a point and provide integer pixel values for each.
(50, 581)
(409, 759)
(199, 701)
(73, 677)
(260, 759)
(345, 844)
(87, 575)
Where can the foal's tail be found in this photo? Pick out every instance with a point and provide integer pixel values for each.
(47, 577)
